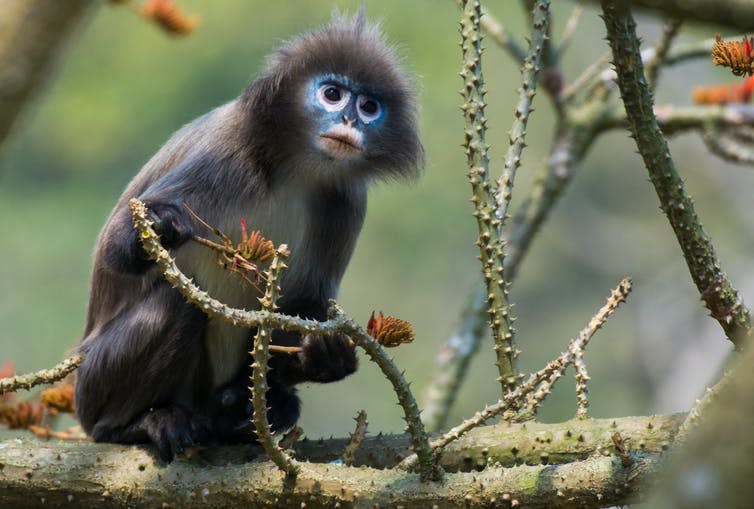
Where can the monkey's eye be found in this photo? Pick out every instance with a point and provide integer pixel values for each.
(333, 97)
(369, 109)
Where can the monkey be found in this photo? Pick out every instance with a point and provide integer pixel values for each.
(332, 111)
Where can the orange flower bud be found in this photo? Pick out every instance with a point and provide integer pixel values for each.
(390, 331)
(739, 56)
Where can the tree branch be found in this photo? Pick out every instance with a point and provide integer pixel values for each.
(110, 475)
(44, 376)
(716, 290)
(32, 35)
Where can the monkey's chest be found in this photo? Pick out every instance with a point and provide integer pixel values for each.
(283, 220)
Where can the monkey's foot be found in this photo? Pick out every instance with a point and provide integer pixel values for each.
(172, 429)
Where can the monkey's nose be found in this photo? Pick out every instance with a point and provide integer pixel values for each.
(347, 121)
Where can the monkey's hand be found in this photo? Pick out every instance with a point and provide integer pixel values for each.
(171, 222)
(121, 247)
(326, 358)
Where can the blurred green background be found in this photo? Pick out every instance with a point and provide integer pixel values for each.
(124, 86)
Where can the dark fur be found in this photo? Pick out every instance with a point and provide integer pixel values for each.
(152, 372)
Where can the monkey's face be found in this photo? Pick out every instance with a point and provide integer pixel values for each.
(346, 117)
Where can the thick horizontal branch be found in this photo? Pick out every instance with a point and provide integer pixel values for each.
(738, 14)
(733, 13)
(102, 475)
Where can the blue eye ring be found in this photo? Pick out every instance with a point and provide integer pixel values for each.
(332, 97)
(368, 108)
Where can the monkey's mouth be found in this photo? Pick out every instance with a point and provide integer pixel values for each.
(342, 141)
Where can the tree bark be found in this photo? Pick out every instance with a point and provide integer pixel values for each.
(32, 36)
(519, 462)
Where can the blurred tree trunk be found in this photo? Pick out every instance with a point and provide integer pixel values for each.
(33, 34)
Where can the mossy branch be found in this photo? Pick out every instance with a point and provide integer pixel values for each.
(716, 290)
(85, 475)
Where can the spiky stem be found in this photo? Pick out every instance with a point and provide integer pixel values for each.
(44, 376)
(261, 354)
(429, 468)
(526, 92)
(538, 385)
(357, 437)
(490, 241)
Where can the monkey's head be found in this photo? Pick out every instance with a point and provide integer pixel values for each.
(336, 103)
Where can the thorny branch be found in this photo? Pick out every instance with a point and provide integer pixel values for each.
(539, 384)
(485, 206)
(45, 376)
(338, 322)
(586, 112)
(261, 353)
(716, 290)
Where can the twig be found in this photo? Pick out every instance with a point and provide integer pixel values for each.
(45, 376)
(576, 346)
(582, 392)
(291, 437)
(453, 360)
(495, 29)
(429, 468)
(538, 384)
(504, 345)
(570, 29)
(726, 148)
(259, 367)
(290, 350)
(587, 78)
(669, 31)
(526, 92)
(719, 295)
(357, 437)
(677, 119)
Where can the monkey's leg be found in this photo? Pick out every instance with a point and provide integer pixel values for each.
(137, 381)
(233, 418)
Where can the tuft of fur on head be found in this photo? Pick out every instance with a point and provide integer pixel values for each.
(352, 47)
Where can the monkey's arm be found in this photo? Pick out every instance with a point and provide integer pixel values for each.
(121, 250)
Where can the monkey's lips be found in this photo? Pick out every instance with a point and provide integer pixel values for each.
(342, 141)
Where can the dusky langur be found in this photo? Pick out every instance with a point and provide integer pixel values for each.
(293, 155)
